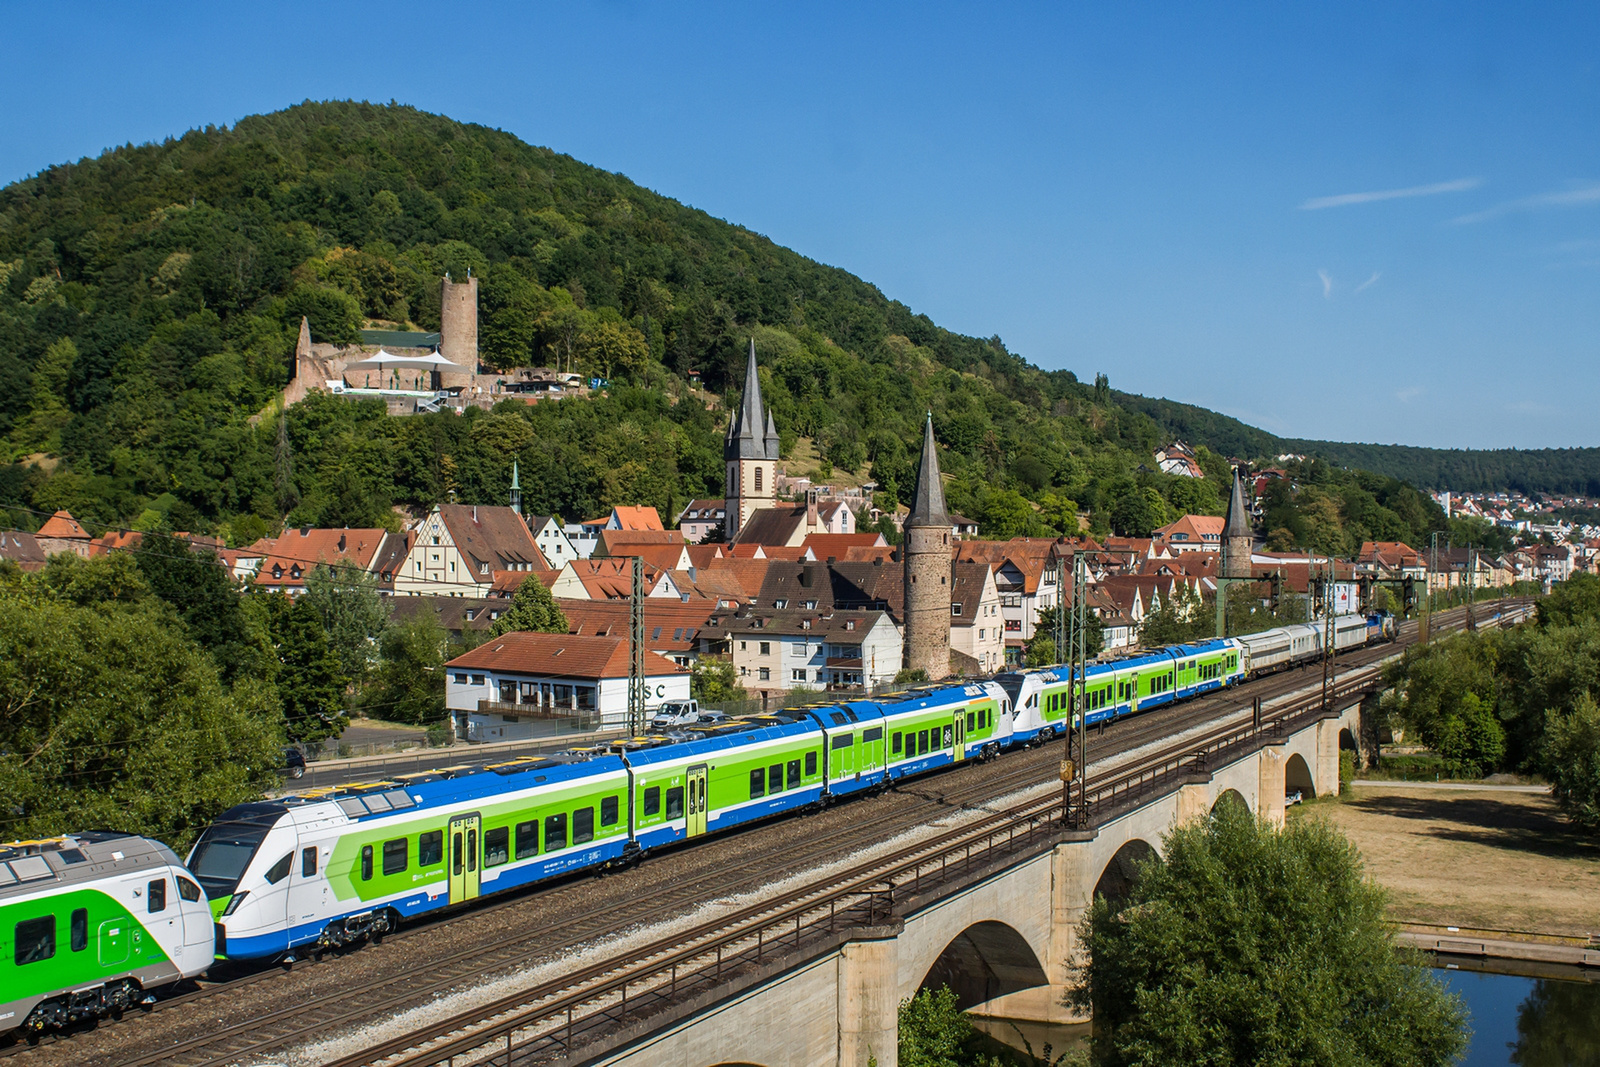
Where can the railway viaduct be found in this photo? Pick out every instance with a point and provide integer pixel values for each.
(1008, 933)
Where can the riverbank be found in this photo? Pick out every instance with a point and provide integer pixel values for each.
(1471, 857)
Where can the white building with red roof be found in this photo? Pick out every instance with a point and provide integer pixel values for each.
(523, 685)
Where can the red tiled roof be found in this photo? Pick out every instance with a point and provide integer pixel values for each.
(493, 535)
(560, 656)
(301, 550)
(838, 545)
(63, 525)
(641, 518)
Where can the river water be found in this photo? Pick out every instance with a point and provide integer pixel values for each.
(1549, 1017)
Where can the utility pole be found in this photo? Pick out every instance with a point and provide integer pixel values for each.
(1327, 631)
(636, 650)
(1472, 568)
(1427, 605)
(1075, 647)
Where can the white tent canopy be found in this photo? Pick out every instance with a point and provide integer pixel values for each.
(386, 361)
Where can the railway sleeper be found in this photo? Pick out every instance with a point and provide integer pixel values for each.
(113, 998)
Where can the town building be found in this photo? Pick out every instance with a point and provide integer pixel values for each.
(523, 685)
(554, 545)
(458, 547)
(700, 518)
(1190, 533)
(290, 558)
(777, 651)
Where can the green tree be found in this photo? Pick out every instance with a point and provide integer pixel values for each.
(934, 1032)
(310, 682)
(532, 608)
(408, 685)
(713, 681)
(112, 718)
(1253, 945)
(347, 601)
(198, 587)
(1041, 649)
(1178, 618)
(1572, 761)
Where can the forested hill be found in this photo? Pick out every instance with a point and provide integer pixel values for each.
(150, 298)
(1534, 471)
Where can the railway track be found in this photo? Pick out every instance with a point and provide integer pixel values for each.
(971, 787)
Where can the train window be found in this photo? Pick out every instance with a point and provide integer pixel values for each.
(608, 811)
(35, 940)
(675, 802)
(758, 783)
(811, 763)
(844, 741)
(80, 929)
(652, 800)
(455, 857)
(496, 846)
(366, 860)
(527, 839)
(280, 870)
(555, 832)
(922, 742)
(156, 896)
(308, 863)
(874, 734)
(794, 774)
(472, 850)
(894, 745)
(775, 778)
(430, 848)
(582, 826)
(188, 890)
(396, 855)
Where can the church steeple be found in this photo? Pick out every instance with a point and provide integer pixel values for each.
(1237, 539)
(516, 490)
(750, 453)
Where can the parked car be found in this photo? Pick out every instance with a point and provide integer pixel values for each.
(676, 713)
(294, 762)
(1292, 797)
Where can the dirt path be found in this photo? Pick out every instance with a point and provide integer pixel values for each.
(1497, 859)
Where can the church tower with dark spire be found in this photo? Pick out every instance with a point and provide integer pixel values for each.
(751, 454)
(926, 555)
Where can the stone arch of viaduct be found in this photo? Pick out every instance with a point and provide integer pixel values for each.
(1012, 935)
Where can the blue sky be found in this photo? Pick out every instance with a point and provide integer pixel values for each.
(1361, 222)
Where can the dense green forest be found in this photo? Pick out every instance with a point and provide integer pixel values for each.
(151, 298)
(1532, 471)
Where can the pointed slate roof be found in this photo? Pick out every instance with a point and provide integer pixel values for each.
(927, 499)
(750, 436)
(1238, 520)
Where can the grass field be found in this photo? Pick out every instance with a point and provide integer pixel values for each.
(1484, 859)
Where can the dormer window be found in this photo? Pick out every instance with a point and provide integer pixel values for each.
(850, 624)
(811, 605)
(780, 604)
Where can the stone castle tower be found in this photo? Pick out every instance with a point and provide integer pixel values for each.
(1237, 540)
(458, 329)
(751, 454)
(926, 554)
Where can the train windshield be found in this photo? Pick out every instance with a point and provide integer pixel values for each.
(223, 852)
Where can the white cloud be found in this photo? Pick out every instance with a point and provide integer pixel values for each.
(1407, 395)
(1576, 196)
(1459, 185)
(1370, 282)
(1327, 284)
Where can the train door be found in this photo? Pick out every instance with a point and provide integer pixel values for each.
(844, 755)
(464, 833)
(696, 802)
(958, 751)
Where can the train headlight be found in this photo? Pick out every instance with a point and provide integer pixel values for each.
(238, 898)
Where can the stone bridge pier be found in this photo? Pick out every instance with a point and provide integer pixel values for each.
(1007, 943)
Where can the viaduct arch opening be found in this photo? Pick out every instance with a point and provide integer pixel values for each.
(1231, 796)
(1116, 881)
(986, 960)
(1297, 777)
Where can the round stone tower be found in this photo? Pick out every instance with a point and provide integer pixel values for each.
(1237, 540)
(926, 553)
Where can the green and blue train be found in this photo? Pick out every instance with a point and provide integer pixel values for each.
(91, 924)
(83, 933)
